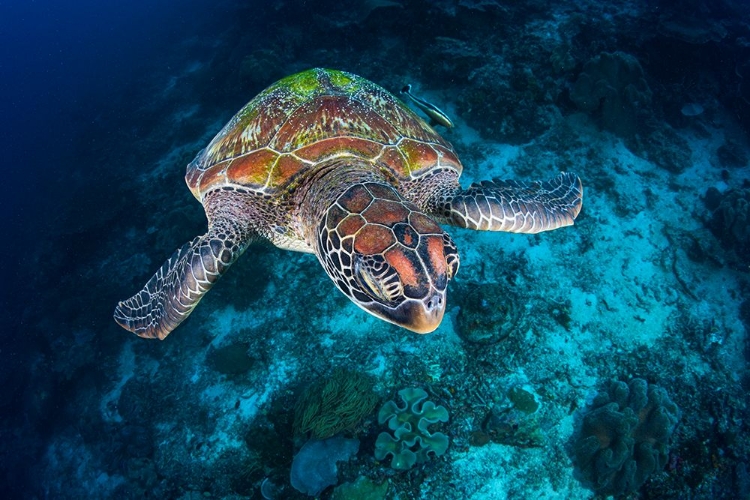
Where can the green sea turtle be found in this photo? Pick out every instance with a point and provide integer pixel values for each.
(326, 162)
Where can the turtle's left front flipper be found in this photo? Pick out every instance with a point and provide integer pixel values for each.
(181, 282)
(517, 207)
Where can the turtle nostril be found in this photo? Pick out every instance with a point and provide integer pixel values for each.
(435, 302)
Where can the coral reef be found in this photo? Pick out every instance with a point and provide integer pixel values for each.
(489, 313)
(450, 55)
(363, 488)
(615, 84)
(314, 466)
(515, 421)
(662, 146)
(411, 442)
(731, 154)
(624, 437)
(506, 104)
(333, 405)
(694, 30)
(730, 223)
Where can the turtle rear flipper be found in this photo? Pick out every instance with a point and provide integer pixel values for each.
(181, 282)
(517, 207)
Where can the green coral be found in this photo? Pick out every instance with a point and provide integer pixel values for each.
(515, 421)
(336, 404)
(523, 400)
(363, 488)
(411, 442)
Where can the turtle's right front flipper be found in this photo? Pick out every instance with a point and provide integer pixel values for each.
(181, 282)
(517, 207)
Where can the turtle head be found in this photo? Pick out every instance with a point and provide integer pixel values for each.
(387, 257)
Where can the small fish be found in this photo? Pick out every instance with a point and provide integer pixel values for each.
(437, 117)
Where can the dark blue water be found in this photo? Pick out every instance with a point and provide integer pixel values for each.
(103, 106)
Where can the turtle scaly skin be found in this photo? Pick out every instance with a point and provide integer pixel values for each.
(326, 162)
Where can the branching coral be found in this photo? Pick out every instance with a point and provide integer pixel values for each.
(624, 437)
(411, 442)
(334, 405)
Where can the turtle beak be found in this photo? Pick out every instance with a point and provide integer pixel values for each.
(419, 316)
(427, 315)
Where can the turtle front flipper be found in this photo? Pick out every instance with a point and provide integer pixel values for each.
(181, 282)
(517, 207)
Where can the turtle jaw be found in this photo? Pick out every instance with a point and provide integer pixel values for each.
(424, 316)
(419, 316)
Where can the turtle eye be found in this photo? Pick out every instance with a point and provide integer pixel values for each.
(376, 278)
(451, 256)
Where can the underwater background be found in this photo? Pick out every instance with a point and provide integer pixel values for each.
(609, 358)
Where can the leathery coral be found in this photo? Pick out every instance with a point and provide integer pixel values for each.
(624, 437)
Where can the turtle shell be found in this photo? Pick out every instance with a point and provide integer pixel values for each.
(313, 117)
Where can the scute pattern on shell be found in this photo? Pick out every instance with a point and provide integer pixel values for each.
(313, 117)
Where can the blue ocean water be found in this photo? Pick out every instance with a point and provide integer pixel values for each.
(609, 357)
